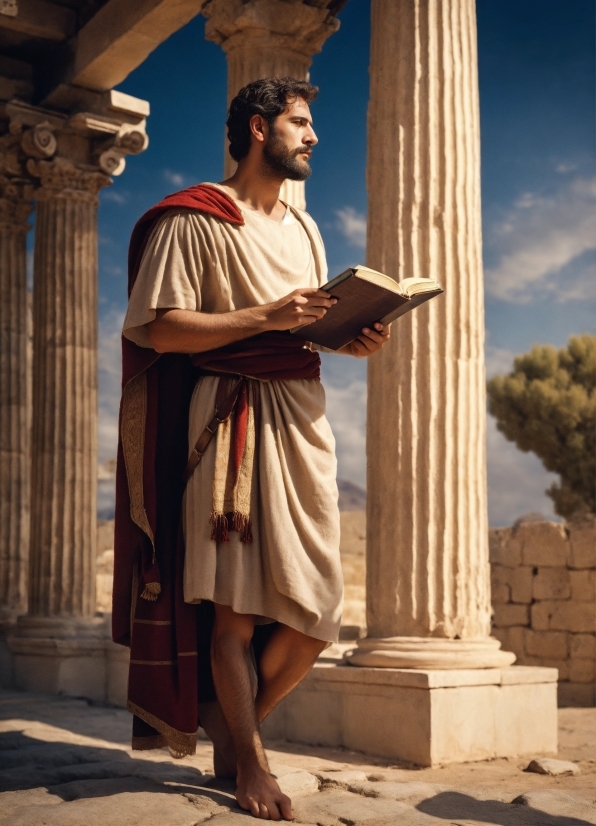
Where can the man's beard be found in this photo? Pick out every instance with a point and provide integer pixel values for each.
(282, 162)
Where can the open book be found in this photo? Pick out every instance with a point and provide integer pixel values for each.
(365, 296)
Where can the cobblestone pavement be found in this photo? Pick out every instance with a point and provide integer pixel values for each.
(65, 762)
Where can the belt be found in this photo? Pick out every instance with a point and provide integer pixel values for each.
(224, 407)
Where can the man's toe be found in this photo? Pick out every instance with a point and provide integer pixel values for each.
(285, 806)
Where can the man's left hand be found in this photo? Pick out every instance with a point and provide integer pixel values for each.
(369, 342)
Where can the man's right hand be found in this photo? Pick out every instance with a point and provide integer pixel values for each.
(188, 331)
(299, 308)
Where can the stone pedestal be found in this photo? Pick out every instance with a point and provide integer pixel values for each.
(15, 207)
(71, 657)
(428, 589)
(425, 717)
(268, 38)
(61, 656)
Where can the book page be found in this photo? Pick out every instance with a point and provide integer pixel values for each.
(417, 286)
(379, 279)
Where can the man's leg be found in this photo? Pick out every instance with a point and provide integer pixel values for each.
(286, 660)
(215, 727)
(256, 790)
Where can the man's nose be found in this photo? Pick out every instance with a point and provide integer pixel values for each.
(310, 137)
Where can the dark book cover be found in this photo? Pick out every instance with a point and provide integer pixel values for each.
(360, 304)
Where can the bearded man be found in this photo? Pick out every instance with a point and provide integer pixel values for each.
(228, 579)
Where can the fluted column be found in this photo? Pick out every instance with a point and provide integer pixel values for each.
(268, 38)
(64, 432)
(428, 591)
(15, 207)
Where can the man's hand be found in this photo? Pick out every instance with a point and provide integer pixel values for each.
(188, 331)
(297, 309)
(368, 343)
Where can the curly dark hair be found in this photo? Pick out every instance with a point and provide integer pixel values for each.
(267, 97)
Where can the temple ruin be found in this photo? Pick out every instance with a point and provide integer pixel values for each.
(428, 684)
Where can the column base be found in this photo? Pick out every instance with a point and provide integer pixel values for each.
(429, 653)
(67, 656)
(428, 718)
(62, 628)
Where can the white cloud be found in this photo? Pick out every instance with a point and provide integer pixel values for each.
(109, 357)
(498, 360)
(563, 168)
(114, 196)
(344, 379)
(175, 178)
(113, 270)
(516, 481)
(541, 245)
(352, 225)
(346, 411)
(107, 471)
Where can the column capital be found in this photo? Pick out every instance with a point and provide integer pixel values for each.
(268, 24)
(113, 127)
(16, 185)
(61, 178)
(15, 203)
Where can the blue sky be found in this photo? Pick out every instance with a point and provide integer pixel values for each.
(536, 66)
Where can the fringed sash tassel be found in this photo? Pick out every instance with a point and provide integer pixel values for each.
(223, 523)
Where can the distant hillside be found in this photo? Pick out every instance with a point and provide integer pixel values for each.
(351, 497)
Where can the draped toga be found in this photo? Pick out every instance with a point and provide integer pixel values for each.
(291, 572)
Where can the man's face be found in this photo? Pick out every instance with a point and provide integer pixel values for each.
(289, 143)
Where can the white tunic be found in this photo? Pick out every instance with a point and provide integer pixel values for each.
(291, 572)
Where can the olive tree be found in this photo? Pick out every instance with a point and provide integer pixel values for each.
(547, 405)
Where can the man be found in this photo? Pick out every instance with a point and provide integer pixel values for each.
(221, 273)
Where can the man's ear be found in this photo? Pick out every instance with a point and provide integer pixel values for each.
(259, 128)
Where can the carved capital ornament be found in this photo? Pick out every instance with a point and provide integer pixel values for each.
(61, 178)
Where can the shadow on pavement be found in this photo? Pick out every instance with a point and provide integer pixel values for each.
(77, 715)
(72, 771)
(454, 806)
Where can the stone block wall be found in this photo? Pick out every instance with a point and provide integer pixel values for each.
(544, 600)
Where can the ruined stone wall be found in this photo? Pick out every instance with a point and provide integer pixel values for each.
(544, 600)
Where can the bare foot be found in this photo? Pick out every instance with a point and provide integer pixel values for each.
(257, 792)
(216, 729)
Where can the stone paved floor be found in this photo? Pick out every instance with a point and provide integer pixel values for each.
(64, 762)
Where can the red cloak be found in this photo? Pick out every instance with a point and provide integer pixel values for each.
(165, 676)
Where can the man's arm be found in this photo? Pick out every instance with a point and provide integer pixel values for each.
(187, 331)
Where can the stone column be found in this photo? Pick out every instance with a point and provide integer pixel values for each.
(268, 38)
(15, 207)
(428, 591)
(64, 433)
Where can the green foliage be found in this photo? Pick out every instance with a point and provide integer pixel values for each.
(547, 404)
